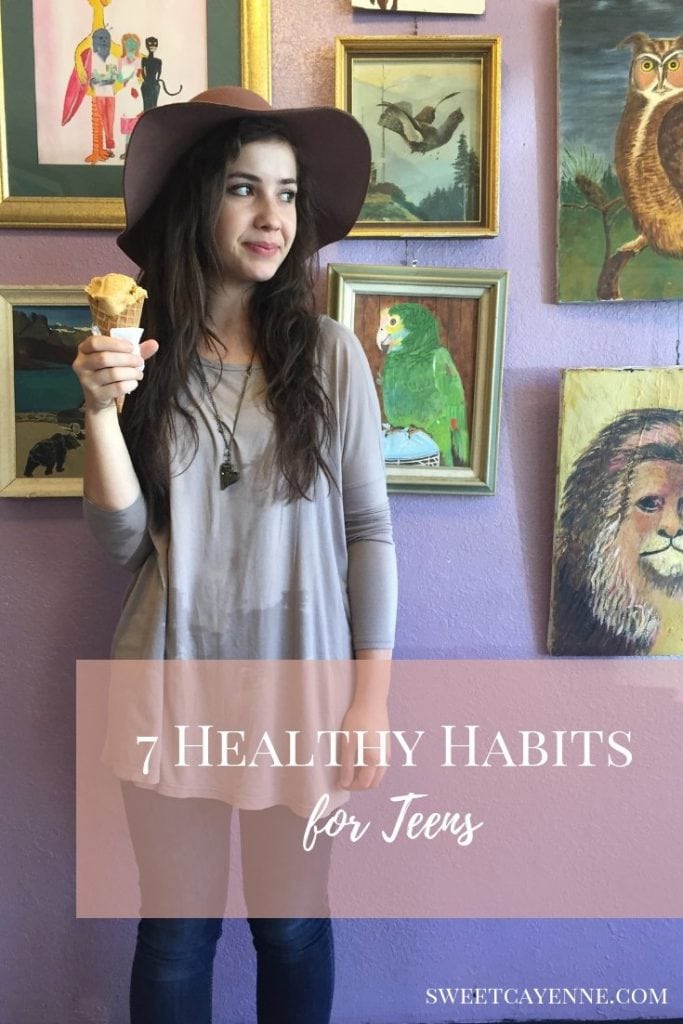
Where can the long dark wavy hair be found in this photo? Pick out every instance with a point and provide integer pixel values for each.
(182, 260)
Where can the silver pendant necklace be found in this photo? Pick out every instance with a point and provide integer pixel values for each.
(228, 474)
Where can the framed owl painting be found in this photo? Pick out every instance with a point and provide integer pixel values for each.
(434, 341)
(620, 215)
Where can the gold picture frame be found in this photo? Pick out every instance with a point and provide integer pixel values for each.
(40, 397)
(431, 108)
(104, 211)
(444, 407)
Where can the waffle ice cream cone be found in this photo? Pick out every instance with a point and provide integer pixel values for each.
(101, 318)
(115, 301)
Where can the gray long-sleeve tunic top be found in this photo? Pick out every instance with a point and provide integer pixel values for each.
(242, 573)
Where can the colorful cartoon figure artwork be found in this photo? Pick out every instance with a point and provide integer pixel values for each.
(618, 564)
(95, 74)
(421, 389)
(103, 83)
(118, 79)
(152, 82)
(621, 131)
(129, 100)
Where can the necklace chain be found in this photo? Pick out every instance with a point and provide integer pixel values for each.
(227, 473)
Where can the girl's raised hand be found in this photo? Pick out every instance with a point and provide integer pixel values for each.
(109, 368)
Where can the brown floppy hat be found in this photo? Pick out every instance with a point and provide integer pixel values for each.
(332, 145)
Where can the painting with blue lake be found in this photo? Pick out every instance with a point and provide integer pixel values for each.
(49, 417)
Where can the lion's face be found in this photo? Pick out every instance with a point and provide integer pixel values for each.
(651, 533)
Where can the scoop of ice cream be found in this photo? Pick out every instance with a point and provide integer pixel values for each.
(115, 293)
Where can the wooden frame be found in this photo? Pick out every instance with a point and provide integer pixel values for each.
(59, 205)
(431, 108)
(458, 317)
(25, 343)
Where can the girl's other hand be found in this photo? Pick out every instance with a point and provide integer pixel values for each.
(372, 719)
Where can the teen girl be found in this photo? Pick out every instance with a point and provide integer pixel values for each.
(243, 485)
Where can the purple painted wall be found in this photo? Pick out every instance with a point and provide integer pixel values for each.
(474, 584)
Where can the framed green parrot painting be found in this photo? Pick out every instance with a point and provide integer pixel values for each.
(434, 341)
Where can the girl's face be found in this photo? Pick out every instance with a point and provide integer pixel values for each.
(257, 220)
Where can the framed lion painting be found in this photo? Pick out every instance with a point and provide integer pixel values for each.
(618, 554)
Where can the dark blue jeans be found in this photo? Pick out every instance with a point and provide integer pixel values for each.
(172, 972)
(173, 969)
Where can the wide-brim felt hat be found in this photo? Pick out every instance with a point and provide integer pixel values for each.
(331, 143)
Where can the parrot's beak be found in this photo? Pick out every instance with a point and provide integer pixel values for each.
(385, 342)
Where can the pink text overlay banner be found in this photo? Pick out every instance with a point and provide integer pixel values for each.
(547, 788)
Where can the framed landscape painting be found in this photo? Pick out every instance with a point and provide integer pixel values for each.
(618, 555)
(76, 76)
(41, 402)
(434, 341)
(431, 108)
(620, 214)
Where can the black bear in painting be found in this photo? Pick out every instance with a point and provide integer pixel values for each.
(51, 453)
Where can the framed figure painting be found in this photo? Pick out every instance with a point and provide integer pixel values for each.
(434, 341)
(431, 108)
(79, 73)
(42, 418)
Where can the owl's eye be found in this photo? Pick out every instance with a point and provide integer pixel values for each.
(647, 64)
(673, 64)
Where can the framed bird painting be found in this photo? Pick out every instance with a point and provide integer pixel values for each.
(431, 108)
(434, 341)
(620, 216)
